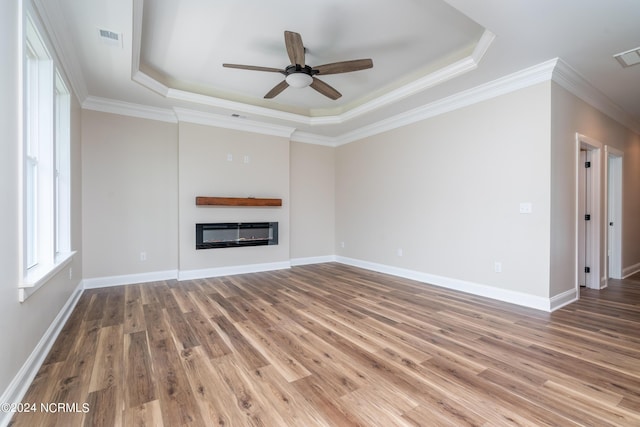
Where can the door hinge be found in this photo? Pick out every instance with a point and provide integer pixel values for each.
(587, 165)
(587, 270)
(587, 217)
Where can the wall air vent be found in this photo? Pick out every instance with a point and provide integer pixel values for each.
(110, 37)
(628, 58)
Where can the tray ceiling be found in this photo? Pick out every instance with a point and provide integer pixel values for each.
(169, 55)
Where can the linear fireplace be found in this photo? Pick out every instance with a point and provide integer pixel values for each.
(236, 234)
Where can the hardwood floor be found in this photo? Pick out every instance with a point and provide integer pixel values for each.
(332, 345)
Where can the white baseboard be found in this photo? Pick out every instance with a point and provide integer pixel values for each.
(630, 271)
(232, 270)
(514, 297)
(23, 379)
(563, 299)
(129, 279)
(154, 276)
(312, 260)
(519, 298)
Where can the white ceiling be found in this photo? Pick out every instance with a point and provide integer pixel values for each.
(423, 51)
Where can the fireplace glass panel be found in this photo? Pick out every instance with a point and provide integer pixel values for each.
(236, 234)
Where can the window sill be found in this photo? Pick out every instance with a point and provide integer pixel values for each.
(40, 275)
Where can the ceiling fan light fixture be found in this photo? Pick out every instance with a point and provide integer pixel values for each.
(299, 80)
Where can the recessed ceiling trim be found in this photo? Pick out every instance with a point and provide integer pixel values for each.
(150, 83)
(196, 98)
(440, 76)
(483, 45)
(245, 125)
(460, 67)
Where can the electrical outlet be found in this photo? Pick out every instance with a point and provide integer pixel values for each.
(247, 159)
(143, 256)
(229, 157)
(342, 244)
(497, 267)
(400, 252)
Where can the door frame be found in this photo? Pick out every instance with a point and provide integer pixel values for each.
(595, 248)
(613, 196)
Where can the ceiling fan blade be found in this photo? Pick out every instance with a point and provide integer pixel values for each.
(325, 89)
(344, 66)
(295, 48)
(277, 89)
(254, 68)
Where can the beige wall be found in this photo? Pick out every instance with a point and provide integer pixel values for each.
(141, 178)
(25, 323)
(571, 115)
(312, 201)
(130, 192)
(205, 171)
(447, 192)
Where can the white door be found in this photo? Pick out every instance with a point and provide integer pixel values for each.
(589, 251)
(614, 219)
(583, 228)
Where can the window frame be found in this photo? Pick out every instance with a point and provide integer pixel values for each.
(45, 108)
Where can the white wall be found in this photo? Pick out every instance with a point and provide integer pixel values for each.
(312, 201)
(130, 194)
(23, 324)
(571, 115)
(447, 192)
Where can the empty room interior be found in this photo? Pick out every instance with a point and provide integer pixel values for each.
(333, 213)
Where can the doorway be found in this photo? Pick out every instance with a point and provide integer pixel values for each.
(614, 213)
(588, 208)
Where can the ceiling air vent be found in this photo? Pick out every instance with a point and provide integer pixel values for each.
(110, 37)
(628, 58)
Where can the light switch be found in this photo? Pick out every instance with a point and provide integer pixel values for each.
(526, 208)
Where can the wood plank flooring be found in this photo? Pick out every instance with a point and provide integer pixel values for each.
(333, 345)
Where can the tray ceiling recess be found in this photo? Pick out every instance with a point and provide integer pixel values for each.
(179, 48)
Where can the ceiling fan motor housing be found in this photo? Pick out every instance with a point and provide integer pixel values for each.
(297, 68)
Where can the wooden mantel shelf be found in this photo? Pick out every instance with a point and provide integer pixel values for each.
(236, 201)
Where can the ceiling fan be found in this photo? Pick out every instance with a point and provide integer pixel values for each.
(300, 75)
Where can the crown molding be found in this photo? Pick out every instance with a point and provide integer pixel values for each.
(521, 79)
(236, 123)
(552, 70)
(63, 50)
(128, 109)
(313, 138)
(574, 82)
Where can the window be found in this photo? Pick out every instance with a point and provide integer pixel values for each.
(62, 171)
(46, 163)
